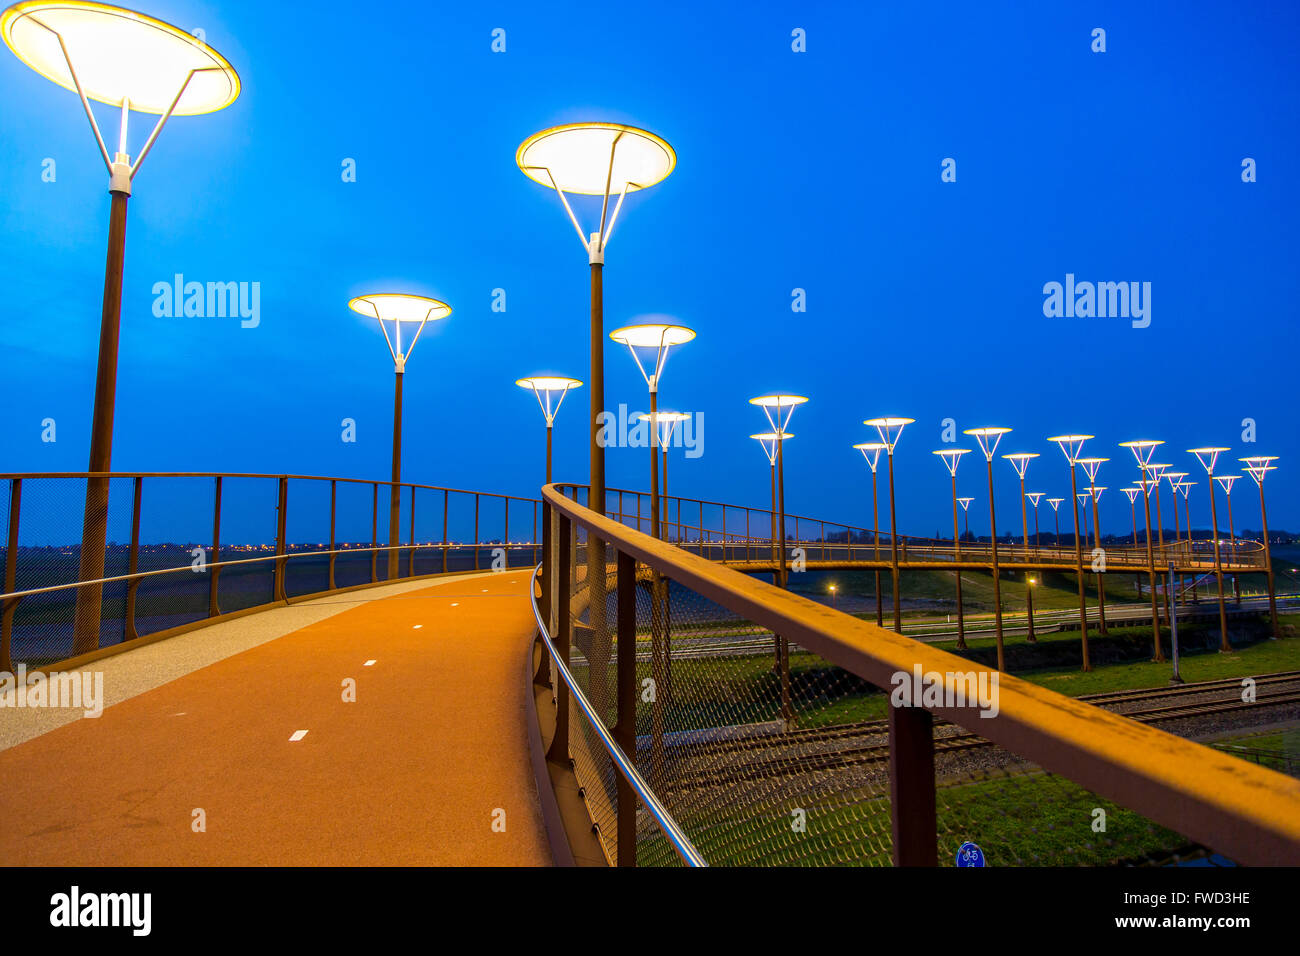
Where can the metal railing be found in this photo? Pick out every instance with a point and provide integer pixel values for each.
(723, 759)
(739, 533)
(202, 545)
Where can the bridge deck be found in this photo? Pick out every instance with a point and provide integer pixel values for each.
(411, 773)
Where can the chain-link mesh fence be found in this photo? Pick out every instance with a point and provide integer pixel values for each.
(767, 754)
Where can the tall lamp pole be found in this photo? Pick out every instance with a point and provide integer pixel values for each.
(605, 160)
(1185, 489)
(951, 459)
(871, 452)
(989, 438)
(1258, 467)
(890, 431)
(768, 440)
(1142, 450)
(123, 59)
(965, 510)
(1020, 462)
(1056, 513)
(779, 409)
(1091, 466)
(1209, 457)
(668, 422)
(546, 388)
(1072, 447)
(397, 309)
(1227, 482)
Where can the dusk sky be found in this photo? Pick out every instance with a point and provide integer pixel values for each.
(817, 170)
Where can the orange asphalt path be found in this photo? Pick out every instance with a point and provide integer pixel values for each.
(411, 773)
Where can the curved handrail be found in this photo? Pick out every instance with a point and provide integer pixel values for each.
(676, 836)
(1247, 812)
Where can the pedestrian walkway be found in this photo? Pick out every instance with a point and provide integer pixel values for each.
(428, 766)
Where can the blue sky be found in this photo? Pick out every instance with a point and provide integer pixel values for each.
(816, 170)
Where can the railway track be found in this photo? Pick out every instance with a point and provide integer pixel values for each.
(795, 760)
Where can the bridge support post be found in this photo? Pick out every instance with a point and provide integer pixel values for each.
(281, 509)
(559, 749)
(911, 787)
(625, 728)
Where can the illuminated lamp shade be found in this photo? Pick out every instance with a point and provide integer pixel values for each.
(576, 158)
(396, 307)
(119, 55)
(652, 336)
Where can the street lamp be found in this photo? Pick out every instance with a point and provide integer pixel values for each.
(656, 339)
(951, 459)
(1209, 457)
(132, 61)
(546, 388)
(1175, 478)
(397, 309)
(965, 510)
(768, 440)
(779, 409)
(1185, 489)
(890, 431)
(832, 595)
(1072, 447)
(1056, 513)
(1258, 467)
(1034, 498)
(1142, 450)
(1020, 462)
(1132, 494)
(664, 436)
(1090, 467)
(871, 452)
(1227, 482)
(989, 438)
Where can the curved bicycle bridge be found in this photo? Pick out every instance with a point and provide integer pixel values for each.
(323, 721)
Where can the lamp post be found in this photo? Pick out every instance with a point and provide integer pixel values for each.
(664, 436)
(871, 452)
(779, 409)
(989, 438)
(655, 338)
(1174, 478)
(832, 595)
(1020, 462)
(396, 309)
(1227, 482)
(596, 159)
(965, 510)
(1034, 498)
(1258, 467)
(1185, 489)
(890, 431)
(1072, 447)
(546, 387)
(1056, 514)
(1209, 457)
(1142, 450)
(951, 459)
(132, 61)
(1131, 494)
(1091, 466)
(768, 440)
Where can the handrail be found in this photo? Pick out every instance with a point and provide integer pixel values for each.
(676, 836)
(1247, 812)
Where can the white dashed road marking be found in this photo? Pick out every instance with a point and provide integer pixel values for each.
(297, 735)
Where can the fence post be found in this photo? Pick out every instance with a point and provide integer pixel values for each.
(374, 537)
(476, 531)
(213, 570)
(333, 515)
(911, 786)
(506, 537)
(129, 631)
(445, 505)
(559, 749)
(11, 570)
(625, 729)
(410, 568)
(281, 508)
